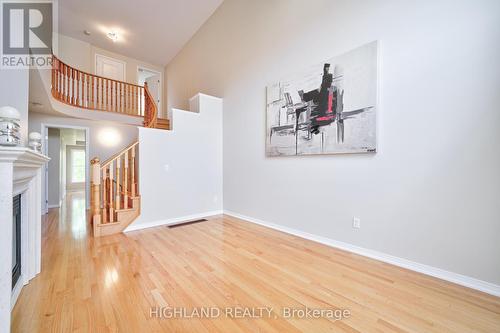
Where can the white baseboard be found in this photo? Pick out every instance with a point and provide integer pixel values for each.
(462, 280)
(53, 206)
(138, 226)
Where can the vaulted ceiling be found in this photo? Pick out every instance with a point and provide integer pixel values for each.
(149, 30)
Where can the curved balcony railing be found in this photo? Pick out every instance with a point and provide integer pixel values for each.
(89, 91)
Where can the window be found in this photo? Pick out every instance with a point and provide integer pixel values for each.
(77, 165)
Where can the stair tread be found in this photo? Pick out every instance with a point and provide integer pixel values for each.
(108, 224)
(124, 209)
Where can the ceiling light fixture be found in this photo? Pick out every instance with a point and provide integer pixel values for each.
(113, 36)
(86, 32)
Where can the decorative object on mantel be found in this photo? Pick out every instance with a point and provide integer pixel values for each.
(10, 119)
(35, 141)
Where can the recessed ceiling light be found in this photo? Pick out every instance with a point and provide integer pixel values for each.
(86, 32)
(113, 36)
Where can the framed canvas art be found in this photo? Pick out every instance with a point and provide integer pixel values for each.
(329, 108)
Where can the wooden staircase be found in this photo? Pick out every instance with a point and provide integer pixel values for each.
(115, 200)
(163, 124)
(92, 92)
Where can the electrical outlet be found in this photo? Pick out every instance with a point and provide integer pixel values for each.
(356, 222)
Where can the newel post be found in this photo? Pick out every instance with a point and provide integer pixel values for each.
(146, 106)
(95, 191)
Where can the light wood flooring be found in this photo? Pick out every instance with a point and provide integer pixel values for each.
(109, 284)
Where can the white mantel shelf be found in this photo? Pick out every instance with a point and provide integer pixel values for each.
(22, 155)
(20, 173)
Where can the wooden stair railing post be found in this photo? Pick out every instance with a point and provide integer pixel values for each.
(125, 180)
(132, 172)
(119, 95)
(105, 194)
(87, 95)
(68, 84)
(65, 80)
(146, 106)
(150, 109)
(52, 89)
(98, 101)
(92, 92)
(77, 87)
(95, 190)
(140, 102)
(111, 104)
(137, 100)
(111, 196)
(72, 78)
(117, 173)
(106, 107)
(61, 81)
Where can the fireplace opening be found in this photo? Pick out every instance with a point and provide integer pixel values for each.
(16, 240)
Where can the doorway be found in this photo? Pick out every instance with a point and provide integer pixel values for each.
(109, 67)
(68, 170)
(154, 80)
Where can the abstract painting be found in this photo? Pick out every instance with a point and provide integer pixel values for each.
(330, 108)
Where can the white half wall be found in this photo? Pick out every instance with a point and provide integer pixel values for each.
(431, 194)
(180, 171)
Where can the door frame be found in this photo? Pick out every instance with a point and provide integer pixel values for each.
(97, 55)
(160, 84)
(44, 130)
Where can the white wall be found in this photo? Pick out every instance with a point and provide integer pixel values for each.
(106, 138)
(54, 152)
(14, 85)
(75, 53)
(180, 171)
(432, 192)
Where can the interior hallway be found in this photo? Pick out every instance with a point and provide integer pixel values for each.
(109, 284)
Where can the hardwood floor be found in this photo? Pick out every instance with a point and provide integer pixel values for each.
(109, 284)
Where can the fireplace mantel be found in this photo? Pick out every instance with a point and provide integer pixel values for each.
(20, 173)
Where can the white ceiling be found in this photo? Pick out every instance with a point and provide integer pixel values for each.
(150, 30)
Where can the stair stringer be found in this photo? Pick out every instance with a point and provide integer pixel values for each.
(124, 218)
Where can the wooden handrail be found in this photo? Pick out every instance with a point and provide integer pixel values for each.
(150, 109)
(87, 73)
(89, 91)
(115, 156)
(113, 183)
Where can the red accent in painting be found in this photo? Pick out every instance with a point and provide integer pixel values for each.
(330, 102)
(325, 118)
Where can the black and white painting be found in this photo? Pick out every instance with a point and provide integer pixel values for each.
(329, 108)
